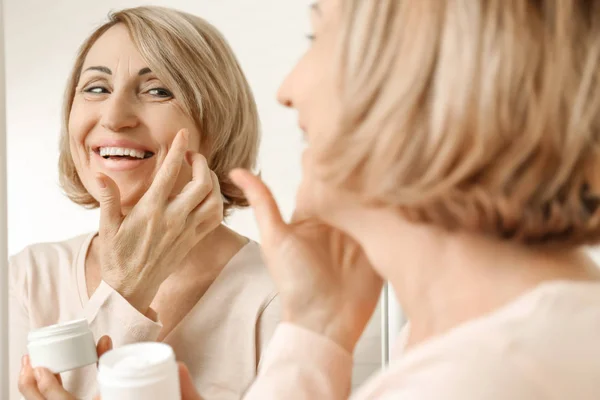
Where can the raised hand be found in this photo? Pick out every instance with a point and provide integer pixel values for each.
(324, 280)
(140, 250)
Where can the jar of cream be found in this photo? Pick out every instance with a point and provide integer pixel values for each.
(140, 371)
(62, 347)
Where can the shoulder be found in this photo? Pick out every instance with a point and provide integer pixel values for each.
(460, 373)
(544, 344)
(43, 258)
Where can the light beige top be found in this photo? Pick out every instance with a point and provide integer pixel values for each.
(220, 340)
(545, 345)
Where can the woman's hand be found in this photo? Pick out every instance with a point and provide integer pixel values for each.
(140, 250)
(324, 280)
(41, 384)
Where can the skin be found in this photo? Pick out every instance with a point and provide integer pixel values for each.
(124, 100)
(329, 261)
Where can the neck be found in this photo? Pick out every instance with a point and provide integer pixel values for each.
(212, 253)
(443, 279)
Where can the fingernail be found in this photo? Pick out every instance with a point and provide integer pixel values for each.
(101, 183)
(186, 134)
(38, 374)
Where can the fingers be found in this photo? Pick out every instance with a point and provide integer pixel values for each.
(110, 204)
(270, 223)
(188, 391)
(50, 386)
(27, 383)
(104, 345)
(166, 177)
(209, 213)
(197, 190)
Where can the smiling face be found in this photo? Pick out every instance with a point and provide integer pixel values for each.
(123, 119)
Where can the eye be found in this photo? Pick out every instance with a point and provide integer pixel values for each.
(96, 90)
(160, 92)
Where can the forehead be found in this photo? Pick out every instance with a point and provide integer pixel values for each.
(113, 48)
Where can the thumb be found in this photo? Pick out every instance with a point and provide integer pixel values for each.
(270, 223)
(110, 203)
(104, 345)
(188, 391)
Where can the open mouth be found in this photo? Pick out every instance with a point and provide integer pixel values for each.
(122, 153)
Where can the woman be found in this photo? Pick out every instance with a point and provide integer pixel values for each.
(453, 149)
(157, 112)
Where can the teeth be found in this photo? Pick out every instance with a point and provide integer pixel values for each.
(120, 151)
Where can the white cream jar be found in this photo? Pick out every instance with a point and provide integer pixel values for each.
(140, 371)
(62, 347)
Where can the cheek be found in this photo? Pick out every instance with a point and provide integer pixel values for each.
(76, 131)
(165, 121)
(320, 101)
(80, 124)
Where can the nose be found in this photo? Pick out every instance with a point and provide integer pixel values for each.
(119, 113)
(284, 94)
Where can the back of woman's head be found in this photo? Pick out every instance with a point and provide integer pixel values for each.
(480, 115)
(195, 62)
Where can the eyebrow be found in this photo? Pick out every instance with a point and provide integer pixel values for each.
(107, 70)
(315, 7)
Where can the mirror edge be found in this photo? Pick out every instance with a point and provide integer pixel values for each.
(4, 372)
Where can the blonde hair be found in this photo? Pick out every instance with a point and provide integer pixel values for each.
(481, 115)
(193, 59)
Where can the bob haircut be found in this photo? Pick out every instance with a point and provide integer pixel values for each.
(478, 115)
(193, 59)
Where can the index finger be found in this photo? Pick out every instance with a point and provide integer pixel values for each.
(169, 171)
(271, 226)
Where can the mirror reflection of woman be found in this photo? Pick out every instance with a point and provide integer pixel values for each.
(157, 112)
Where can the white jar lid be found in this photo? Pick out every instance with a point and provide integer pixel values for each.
(62, 347)
(59, 331)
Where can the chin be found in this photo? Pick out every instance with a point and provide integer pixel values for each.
(131, 193)
(129, 200)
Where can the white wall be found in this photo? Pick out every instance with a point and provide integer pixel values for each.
(42, 37)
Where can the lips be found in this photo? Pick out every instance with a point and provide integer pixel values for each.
(120, 155)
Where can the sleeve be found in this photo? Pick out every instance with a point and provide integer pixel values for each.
(300, 364)
(18, 324)
(267, 322)
(109, 313)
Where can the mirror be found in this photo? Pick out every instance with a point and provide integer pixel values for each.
(267, 37)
